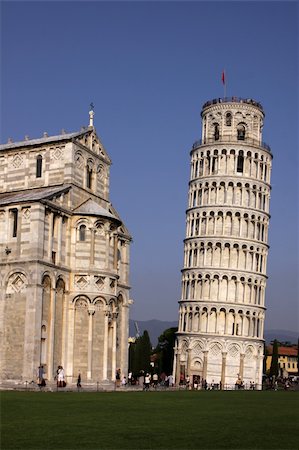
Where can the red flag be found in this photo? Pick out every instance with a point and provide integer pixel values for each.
(223, 77)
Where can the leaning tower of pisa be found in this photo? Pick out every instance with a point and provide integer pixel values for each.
(222, 307)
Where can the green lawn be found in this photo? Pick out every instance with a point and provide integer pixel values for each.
(150, 420)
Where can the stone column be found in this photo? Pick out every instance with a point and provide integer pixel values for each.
(92, 241)
(69, 358)
(107, 250)
(51, 335)
(241, 368)
(59, 238)
(205, 365)
(91, 311)
(114, 347)
(177, 367)
(115, 251)
(50, 237)
(223, 369)
(105, 350)
(188, 361)
(32, 335)
(174, 365)
(259, 372)
(124, 333)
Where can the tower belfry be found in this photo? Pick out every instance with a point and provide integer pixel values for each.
(222, 307)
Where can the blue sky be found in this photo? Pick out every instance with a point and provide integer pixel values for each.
(148, 67)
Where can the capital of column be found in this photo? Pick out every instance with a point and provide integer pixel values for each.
(91, 310)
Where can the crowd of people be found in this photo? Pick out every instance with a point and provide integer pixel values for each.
(148, 381)
(145, 380)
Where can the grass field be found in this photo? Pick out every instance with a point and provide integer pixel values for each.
(150, 420)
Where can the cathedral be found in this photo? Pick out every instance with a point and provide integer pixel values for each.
(64, 266)
(222, 307)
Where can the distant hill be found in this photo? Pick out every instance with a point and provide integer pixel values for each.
(156, 327)
(281, 335)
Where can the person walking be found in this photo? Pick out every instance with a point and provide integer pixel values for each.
(40, 376)
(147, 381)
(79, 381)
(60, 377)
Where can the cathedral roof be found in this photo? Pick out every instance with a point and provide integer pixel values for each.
(91, 208)
(43, 140)
(77, 137)
(32, 194)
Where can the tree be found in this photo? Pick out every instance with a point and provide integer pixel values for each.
(165, 350)
(274, 368)
(140, 354)
(146, 350)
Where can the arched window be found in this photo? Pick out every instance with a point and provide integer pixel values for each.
(88, 177)
(240, 162)
(228, 119)
(39, 164)
(82, 233)
(216, 131)
(241, 132)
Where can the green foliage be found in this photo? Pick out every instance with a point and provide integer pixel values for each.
(140, 354)
(274, 368)
(165, 350)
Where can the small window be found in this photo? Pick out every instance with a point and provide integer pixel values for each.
(82, 233)
(88, 177)
(241, 132)
(14, 213)
(39, 165)
(216, 132)
(240, 162)
(54, 257)
(228, 119)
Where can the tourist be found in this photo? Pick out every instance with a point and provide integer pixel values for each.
(147, 381)
(60, 377)
(187, 382)
(117, 377)
(79, 380)
(155, 380)
(40, 376)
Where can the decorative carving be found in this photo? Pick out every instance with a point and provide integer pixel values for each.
(81, 281)
(17, 282)
(101, 171)
(81, 303)
(79, 160)
(26, 213)
(197, 349)
(233, 350)
(249, 352)
(56, 153)
(215, 349)
(17, 161)
(99, 282)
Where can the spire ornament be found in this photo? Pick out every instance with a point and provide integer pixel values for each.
(91, 114)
